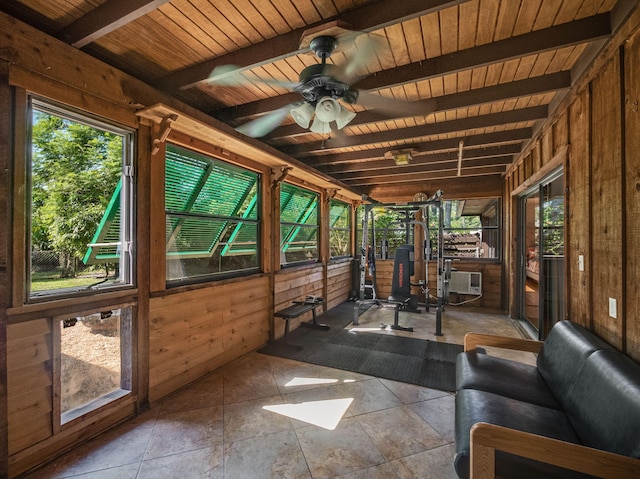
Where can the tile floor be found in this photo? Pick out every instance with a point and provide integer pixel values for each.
(267, 417)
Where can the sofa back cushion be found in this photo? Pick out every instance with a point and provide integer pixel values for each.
(563, 354)
(603, 405)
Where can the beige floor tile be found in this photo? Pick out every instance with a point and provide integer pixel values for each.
(368, 396)
(433, 464)
(129, 471)
(204, 463)
(346, 449)
(400, 432)
(249, 419)
(186, 431)
(410, 393)
(382, 471)
(269, 457)
(439, 413)
(121, 446)
(206, 392)
(245, 385)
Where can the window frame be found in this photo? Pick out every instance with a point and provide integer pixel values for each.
(313, 206)
(126, 389)
(235, 222)
(497, 228)
(126, 195)
(346, 229)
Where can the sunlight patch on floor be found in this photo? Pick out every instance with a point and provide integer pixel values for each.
(326, 414)
(309, 381)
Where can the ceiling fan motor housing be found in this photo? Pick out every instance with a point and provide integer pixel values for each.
(316, 82)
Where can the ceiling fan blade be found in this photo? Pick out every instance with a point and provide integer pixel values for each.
(265, 124)
(232, 75)
(364, 48)
(395, 108)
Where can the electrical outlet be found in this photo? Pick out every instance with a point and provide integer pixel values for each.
(581, 262)
(613, 308)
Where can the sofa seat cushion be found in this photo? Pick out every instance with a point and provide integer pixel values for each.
(504, 377)
(473, 406)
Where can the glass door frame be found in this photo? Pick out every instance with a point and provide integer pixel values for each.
(522, 249)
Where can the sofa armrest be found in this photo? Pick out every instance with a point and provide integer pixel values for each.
(486, 439)
(473, 340)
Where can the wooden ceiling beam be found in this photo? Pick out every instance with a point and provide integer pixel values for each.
(421, 157)
(367, 18)
(28, 15)
(505, 91)
(106, 18)
(559, 36)
(454, 188)
(421, 176)
(394, 170)
(397, 134)
(588, 29)
(484, 140)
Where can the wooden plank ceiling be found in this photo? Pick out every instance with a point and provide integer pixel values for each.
(482, 72)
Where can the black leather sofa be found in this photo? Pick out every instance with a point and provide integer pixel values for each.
(575, 414)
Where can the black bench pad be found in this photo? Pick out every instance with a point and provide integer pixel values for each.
(295, 310)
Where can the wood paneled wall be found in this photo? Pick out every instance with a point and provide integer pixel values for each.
(192, 333)
(594, 135)
(30, 386)
(631, 198)
(5, 253)
(338, 283)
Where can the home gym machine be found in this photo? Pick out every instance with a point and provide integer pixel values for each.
(401, 296)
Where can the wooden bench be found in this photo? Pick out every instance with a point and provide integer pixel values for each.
(298, 308)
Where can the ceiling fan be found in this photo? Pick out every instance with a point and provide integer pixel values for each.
(325, 89)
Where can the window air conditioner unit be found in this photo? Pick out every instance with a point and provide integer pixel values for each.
(465, 282)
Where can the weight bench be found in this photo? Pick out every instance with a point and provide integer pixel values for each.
(298, 308)
(396, 305)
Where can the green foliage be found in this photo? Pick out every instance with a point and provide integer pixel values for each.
(553, 226)
(75, 168)
(451, 220)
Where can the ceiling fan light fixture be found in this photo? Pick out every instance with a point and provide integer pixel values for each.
(302, 115)
(344, 118)
(328, 109)
(401, 157)
(320, 126)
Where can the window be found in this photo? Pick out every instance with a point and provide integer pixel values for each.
(470, 228)
(80, 204)
(339, 229)
(94, 361)
(212, 222)
(298, 224)
(391, 226)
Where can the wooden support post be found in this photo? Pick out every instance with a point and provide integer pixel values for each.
(5, 239)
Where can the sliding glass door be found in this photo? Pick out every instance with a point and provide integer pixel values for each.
(541, 249)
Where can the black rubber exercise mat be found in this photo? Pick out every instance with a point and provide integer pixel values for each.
(416, 361)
